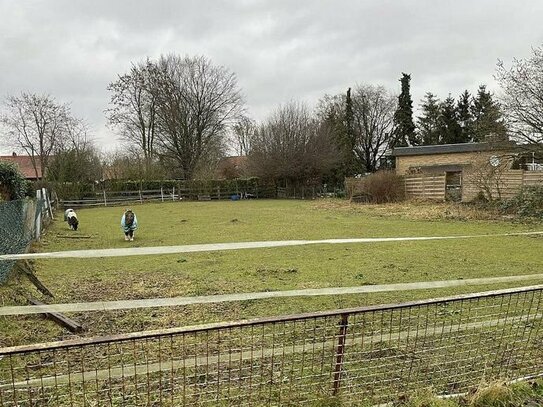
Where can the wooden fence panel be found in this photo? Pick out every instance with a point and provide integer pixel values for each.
(533, 178)
(425, 186)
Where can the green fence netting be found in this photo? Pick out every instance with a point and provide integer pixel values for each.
(18, 221)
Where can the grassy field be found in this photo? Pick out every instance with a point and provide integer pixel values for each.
(270, 269)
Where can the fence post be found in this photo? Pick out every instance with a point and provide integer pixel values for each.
(141, 198)
(37, 218)
(47, 203)
(161, 193)
(340, 351)
(173, 194)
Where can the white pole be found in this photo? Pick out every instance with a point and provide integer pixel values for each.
(141, 198)
(38, 217)
(162, 194)
(173, 194)
(43, 195)
(105, 200)
(48, 201)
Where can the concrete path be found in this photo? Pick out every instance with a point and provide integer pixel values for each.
(207, 299)
(139, 251)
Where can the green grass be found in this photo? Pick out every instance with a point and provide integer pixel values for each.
(494, 395)
(270, 269)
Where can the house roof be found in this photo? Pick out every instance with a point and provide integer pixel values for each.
(24, 164)
(231, 166)
(443, 149)
(444, 167)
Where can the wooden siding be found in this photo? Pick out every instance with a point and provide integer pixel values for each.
(533, 178)
(425, 186)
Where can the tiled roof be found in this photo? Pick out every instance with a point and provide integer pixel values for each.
(24, 163)
(448, 148)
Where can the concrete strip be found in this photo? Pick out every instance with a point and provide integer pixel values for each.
(140, 251)
(207, 299)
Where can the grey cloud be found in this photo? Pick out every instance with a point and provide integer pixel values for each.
(280, 49)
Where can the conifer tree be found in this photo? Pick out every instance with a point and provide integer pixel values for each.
(403, 118)
(488, 119)
(428, 123)
(465, 117)
(449, 129)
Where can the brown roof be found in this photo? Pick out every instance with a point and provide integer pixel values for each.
(231, 167)
(24, 164)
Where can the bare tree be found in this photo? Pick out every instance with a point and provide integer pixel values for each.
(75, 158)
(76, 136)
(522, 97)
(488, 172)
(373, 124)
(243, 135)
(133, 108)
(196, 103)
(292, 145)
(37, 124)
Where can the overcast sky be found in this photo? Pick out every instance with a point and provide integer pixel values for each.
(280, 50)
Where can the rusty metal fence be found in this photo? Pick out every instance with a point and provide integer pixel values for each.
(360, 356)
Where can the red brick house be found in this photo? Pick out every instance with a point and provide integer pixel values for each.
(25, 165)
(231, 167)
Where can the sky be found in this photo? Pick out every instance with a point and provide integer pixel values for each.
(280, 50)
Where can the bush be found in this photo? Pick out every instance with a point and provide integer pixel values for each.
(13, 184)
(380, 187)
(527, 203)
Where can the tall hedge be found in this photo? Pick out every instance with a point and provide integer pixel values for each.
(191, 188)
(13, 184)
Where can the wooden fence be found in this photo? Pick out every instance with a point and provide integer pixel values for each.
(425, 186)
(504, 185)
(112, 198)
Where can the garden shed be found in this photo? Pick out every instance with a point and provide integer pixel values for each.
(461, 172)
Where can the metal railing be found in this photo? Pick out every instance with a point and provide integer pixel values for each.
(20, 222)
(364, 355)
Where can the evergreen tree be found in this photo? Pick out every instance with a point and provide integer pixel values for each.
(449, 129)
(403, 118)
(487, 117)
(465, 117)
(349, 122)
(335, 113)
(429, 123)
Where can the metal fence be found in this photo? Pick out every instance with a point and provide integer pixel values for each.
(359, 356)
(18, 222)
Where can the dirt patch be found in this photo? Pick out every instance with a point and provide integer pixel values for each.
(419, 210)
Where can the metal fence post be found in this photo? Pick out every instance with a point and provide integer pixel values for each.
(37, 218)
(340, 352)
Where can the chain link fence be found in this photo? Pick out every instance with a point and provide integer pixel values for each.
(356, 357)
(19, 220)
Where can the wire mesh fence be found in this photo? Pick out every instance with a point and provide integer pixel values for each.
(18, 221)
(369, 355)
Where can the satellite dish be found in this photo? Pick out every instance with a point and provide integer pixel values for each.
(494, 161)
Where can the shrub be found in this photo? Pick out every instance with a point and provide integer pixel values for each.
(426, 398)
(496, 395)
(527, 203)
(380, 187)
(13, 184)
